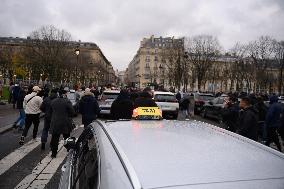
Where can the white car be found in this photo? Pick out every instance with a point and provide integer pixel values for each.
(168, 103)
(106, 100)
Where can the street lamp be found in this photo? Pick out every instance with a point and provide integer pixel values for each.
(77, 52)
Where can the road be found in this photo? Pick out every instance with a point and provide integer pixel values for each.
(28, 167)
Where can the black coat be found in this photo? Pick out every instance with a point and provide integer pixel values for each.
(145, 100)
(46, 106)
(20, 99)
(89, 108)
(61, 116)
(248, 126)
(184, 104)
(230, 117)
(122, 109)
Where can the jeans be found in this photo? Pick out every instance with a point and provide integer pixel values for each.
(21, 120)
(44, 134)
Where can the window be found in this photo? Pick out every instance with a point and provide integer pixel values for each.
(156, 58)
(147, 58)
(156, 51)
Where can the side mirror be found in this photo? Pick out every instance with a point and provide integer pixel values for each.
(210, 102)
(70, 143)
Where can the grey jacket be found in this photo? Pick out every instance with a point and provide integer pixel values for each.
(61, 116)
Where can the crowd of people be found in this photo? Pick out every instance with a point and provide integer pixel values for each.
(249, 116)
(252, 118)
(58, 111)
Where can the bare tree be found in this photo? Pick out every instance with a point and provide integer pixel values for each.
(261, 52)
(173, 60)
(202, 52)
(279, 56)
(47, 50)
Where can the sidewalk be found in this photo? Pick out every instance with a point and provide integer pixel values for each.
(7, 116)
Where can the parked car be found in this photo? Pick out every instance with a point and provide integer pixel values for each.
(200, 99)
(136, 154)
(168, 103)
(213, 109)
(106, 99)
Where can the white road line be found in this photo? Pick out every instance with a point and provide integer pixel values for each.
(8, 161)
(45, 169)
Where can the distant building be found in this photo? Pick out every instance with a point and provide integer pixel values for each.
(99, 70)
(148, 65)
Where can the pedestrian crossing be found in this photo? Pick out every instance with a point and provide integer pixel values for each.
(44, 170)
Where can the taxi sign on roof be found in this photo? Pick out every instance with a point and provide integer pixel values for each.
(147, 113)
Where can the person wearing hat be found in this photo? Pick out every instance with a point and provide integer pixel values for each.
(88, 107)
(31, 104)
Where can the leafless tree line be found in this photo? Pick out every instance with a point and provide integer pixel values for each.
(48, 53)
(257, 65)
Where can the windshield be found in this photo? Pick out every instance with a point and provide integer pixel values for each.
(165, 98)
(109, 96)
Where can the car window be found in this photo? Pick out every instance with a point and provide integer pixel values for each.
(109, 96)
(71, 96)
(215, 100)
(165, 98)
(220, 100)
(205, 97)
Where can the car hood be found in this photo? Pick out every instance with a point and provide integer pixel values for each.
(191, 153)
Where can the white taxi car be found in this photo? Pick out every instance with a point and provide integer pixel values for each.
(168, 154)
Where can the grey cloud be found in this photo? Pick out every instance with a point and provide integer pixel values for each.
(118, 26)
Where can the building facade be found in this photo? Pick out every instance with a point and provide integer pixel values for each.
(91, 66)
(148, 67)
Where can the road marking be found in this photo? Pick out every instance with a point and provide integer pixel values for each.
(44, 170)
(8, 161)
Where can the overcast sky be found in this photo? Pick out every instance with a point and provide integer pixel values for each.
(118, 26)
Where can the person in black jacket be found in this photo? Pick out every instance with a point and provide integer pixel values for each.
(122, 107)
(145, 99)
(230, 114)
(248, 120)
(88, 107)
(262, 111)
(20, 122)
(46, 109)
(273, 121)
(61, 120)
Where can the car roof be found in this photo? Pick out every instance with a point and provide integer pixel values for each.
(172, 153)
(163, 93)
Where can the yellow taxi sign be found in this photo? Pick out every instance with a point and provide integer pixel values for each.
(147, 112)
